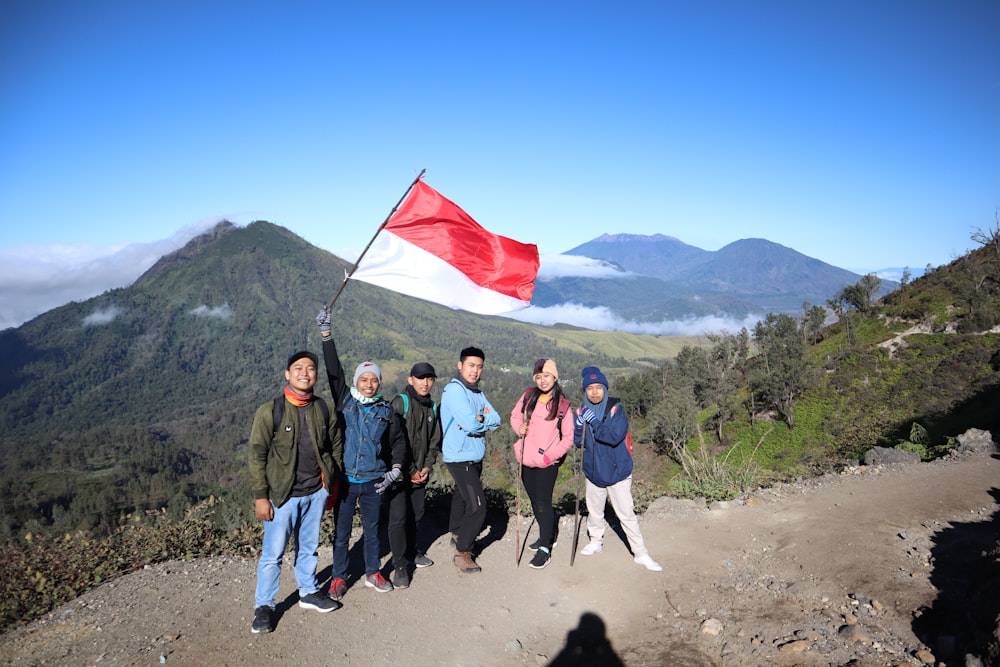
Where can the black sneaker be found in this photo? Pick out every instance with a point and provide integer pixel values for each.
(537, 543)
(422, 561)
(541, 558)
(320, 602)
(263, 621)
(400, 578)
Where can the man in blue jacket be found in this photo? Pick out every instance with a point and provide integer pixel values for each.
(466, 417)
(375, 456)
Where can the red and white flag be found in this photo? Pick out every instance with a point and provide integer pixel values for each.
(433, 250)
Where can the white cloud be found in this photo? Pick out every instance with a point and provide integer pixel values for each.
(37, 278)
(102, 316)
(223, 312)
(602, 319)
(566, 266)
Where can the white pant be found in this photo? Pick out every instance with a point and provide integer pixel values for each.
(620, 495)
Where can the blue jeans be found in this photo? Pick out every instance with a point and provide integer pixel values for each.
(298, 518)
(360, 494)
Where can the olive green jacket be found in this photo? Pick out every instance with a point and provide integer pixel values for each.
(274, 452)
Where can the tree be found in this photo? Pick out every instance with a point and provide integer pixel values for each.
(904, 280)
(715, 374)
(813, 320)
(673, 420)
(781, 372)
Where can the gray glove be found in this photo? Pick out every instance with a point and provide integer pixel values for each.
(387, 480)
(324, 320)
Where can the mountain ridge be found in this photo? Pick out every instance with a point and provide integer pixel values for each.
(751, 275)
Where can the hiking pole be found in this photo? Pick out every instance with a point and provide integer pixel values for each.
(579, 491)
(517, 510)
(354, 268)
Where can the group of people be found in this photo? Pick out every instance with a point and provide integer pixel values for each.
(376, 455)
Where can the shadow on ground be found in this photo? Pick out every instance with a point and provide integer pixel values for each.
(963, 619)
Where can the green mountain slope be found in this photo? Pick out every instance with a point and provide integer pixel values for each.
(142, 397)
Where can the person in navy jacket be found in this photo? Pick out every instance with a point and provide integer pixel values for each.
(601, 428)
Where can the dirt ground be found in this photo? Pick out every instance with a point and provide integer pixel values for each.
(892, 565)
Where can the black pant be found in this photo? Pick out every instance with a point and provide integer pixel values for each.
(406, 511)
(539, 484)
(468, 503)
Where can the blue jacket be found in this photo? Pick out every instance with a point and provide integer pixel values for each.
(374, 435)
(606, 459)
(464, 435)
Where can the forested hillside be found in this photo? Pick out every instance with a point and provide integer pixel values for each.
(142, 397)
(911, 370)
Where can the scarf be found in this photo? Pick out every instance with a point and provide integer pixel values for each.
(474, 388)
(422, 400)
(599, 408)
(362, 399)
(297, 400)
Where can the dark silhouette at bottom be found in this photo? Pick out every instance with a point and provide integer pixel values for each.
(587, 646)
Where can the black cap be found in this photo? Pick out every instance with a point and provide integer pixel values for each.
(304, 354)
(422, 370)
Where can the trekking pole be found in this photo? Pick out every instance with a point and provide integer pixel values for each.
(579, 491)
(517, 510)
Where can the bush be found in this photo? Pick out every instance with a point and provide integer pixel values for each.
(38, 573)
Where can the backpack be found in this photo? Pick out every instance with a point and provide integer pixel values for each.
(559, 416)
(406, 405)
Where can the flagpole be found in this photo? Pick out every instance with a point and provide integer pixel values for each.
(354, 268)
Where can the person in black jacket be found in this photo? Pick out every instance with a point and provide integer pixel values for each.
(406, 499)
(375, 454)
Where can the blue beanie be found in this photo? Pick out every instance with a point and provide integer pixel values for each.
(593, 375)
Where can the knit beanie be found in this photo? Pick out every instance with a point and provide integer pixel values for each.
(546, 366)
(593, 375)
(367, 367)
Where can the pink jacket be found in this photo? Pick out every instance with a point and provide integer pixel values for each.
(542, 446)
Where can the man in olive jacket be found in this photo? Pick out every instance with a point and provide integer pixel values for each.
(293, 467)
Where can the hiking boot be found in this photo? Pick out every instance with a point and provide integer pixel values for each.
(591, 548)
(400, 578)
(648, 563)
(541, 558)
(378, 582)
(537, 543)
(263, 621)
(422, 561)
(465, 562)
(319, 601)
(338, 588)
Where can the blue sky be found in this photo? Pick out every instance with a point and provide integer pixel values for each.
(863, 134)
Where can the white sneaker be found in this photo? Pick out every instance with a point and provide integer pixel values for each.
(591, 548)
(648, 563)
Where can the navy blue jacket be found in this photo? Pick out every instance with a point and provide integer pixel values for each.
(606, 459)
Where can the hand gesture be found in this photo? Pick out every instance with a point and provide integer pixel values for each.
(387, 480)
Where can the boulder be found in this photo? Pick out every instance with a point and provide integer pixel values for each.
(975, 440)
(888, 455)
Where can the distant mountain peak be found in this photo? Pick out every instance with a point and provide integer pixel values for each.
(628, 238)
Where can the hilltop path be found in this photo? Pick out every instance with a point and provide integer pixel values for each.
(859, 566)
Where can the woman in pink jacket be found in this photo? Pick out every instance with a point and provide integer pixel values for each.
(543, 441)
